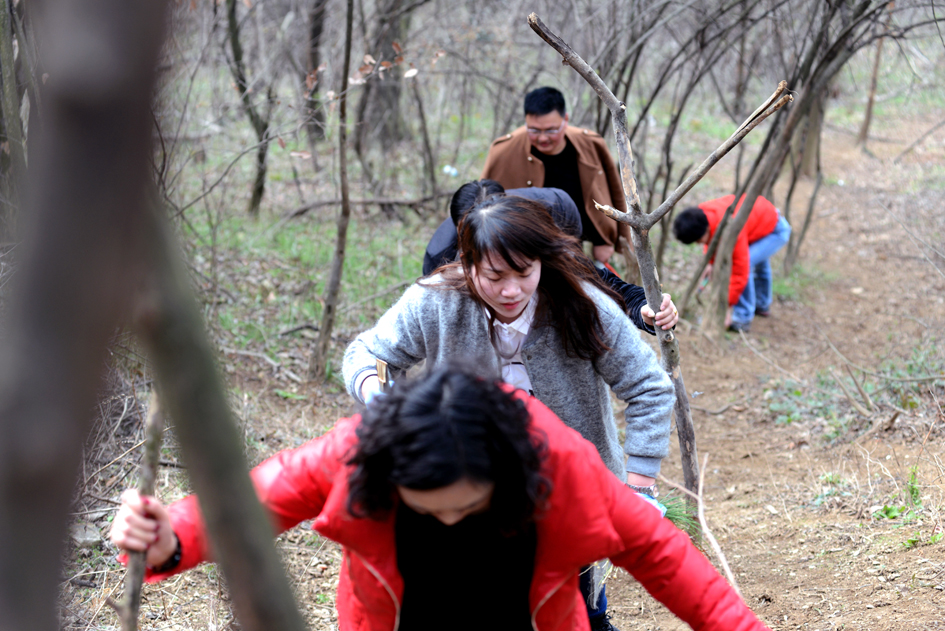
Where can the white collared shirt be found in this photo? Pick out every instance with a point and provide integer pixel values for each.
(509, 339)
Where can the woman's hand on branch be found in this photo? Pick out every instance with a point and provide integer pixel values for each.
(143, 524)
(666, 318)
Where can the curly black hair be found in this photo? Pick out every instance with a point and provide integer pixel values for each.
(433, 431)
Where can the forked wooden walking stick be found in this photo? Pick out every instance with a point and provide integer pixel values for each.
(640, 224)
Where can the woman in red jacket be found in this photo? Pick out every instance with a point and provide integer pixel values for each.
(459, 504)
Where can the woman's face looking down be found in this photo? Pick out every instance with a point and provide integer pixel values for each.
(450, 504)
(504, 289)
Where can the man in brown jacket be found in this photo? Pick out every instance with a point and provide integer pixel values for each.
(547, 152)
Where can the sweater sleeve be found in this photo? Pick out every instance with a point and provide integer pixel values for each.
(663, 559)
(632, 371)
(292, 486)
(397, 339)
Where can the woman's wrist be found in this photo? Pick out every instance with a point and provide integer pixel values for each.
(369, 386)
(650, 490)
(172, 561)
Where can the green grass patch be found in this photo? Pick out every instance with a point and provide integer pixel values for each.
(801, 279)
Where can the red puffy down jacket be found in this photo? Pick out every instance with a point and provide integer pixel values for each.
(761, 222)
(590, 515)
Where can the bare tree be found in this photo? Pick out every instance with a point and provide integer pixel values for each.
(10, 110)
(379, 116)
(259, 115)
(319, 359)
(832, 33)
(314, 111)
(874, 79)
(171, 326)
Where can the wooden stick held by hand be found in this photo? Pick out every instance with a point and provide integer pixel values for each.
(127, 609)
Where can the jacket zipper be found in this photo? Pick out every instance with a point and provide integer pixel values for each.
(545, 599)
(390, 592)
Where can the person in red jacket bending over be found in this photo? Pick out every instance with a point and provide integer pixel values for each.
(765, 232)
(455, 472)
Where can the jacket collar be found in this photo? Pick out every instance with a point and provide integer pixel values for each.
(577, 135)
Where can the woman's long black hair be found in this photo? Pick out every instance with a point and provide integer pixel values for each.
(519, 231)
(431, 432)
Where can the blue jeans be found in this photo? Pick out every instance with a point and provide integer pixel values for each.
(586, 586)
(757, 293)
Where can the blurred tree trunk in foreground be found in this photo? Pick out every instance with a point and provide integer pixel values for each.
(85, 195)
(94, 253)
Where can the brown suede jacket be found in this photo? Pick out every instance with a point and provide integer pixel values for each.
(511, 164)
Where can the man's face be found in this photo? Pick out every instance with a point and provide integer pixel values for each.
(546, 132)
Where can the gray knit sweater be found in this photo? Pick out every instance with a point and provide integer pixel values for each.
(441, 325)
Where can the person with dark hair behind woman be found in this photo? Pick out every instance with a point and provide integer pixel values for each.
(443, 246)
(459, 505)
(526, 304)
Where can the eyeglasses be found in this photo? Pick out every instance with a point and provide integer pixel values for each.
(546, 132)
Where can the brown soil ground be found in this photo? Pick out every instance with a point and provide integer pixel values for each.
(791, 504)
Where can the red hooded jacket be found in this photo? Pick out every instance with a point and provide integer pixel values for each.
(761, 222)
(589, 515)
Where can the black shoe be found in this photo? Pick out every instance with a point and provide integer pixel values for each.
(764, 313)
(735, 327)
(602, 623)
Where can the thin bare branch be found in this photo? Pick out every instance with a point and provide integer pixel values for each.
(753, 121)
(918, 141)
(375, 201)
(750, 123)
(916, 241)
(856, 404)
(669, 346)
(713, 542)
(856, 382)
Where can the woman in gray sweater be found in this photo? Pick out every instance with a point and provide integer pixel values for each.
(526, 304)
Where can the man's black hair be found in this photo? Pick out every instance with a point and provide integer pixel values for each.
(470, 194)
(690, 225)
(544, 101)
